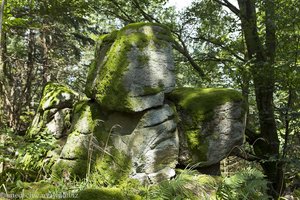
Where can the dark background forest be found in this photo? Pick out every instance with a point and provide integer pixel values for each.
(251, 46)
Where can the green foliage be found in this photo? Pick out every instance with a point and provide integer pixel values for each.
(247, 184)
(210, 33)
(105, 194)
(10, 144)
(198, 145)
(32, 155)
(297, 193)
(186, 185)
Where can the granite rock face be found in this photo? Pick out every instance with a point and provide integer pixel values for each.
(78, 146)
(133, 68)
(153, 145)
(148, 141)
(212, 124)
(53, 114)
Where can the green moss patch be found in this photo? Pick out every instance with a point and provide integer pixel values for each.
(200, 102)
(103, 45)
(151, 90)
(85, 117)
(105, 77)
(76, 168)
(53, 96)
(197, 145)
(112, 166)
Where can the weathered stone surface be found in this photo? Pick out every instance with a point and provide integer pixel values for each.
(76, 147)
(57, 96)
(148, 139)
(133, 68)
(60, 122)
(53, 114)
(153, 145)
(212, 123)
(85, 117)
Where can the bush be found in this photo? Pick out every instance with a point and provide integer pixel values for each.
(247, 184)
(188, 184)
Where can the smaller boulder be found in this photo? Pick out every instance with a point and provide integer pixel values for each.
(54, 111)
(57, 96)
(211, 124)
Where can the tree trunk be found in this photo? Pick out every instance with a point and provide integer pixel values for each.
(30, 67)
(262, 70)
(45, 63)
(1, 39)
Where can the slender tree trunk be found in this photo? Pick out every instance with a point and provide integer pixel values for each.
(1, 31)
(30, 68)
(45, 62)
(26, 93)
(262, 70)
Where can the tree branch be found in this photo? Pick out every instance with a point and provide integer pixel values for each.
(122, 11)
(181, 48)
(222, 46)
(148, 17)
(246, 156)
(230, 6)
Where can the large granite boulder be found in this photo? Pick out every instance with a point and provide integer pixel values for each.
(133, 68)
(135, 124)
(143, 145)
(211, 124)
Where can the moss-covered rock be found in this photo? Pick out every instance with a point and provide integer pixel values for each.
(76, 147)
(112, 166)
(85, 117)
(201, 102)
(57, 96)
(74, 156)
(69, 169)
(133, 68)
(118, 145)
(53, 114)
(50, 125)
(211, 123)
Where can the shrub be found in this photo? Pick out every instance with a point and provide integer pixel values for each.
(247, 184)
